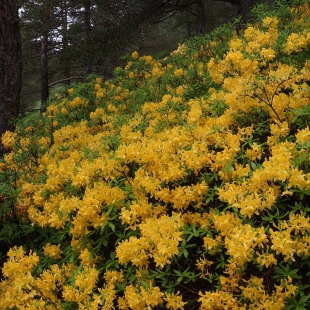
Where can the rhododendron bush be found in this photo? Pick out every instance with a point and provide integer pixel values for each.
(182, 183)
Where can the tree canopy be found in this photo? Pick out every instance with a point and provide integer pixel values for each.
(68, 40)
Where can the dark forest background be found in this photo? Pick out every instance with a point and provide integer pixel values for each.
(64, 41)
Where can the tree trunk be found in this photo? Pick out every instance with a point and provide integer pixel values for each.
(245, 9)
(87, 28)
(10, 66)
(201, 17)
(44, 54)
(44, 71)
(65, 58)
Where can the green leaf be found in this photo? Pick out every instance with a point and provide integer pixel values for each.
(3, 188)
(111, 225)
(304, 299)
(64, 148)
(253, 165)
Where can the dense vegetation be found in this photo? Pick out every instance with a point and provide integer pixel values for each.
(182, 183)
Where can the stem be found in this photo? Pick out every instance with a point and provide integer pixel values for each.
(270, 103)
(52, 130)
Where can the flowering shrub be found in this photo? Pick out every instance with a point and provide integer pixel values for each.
(179, 184)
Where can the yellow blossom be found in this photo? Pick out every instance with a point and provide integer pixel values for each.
(266, 259)
(156, 71)
(303, 135)
(178, 72)
(267, 53)
(64, 111)
(135, 55)
(52, 250)
(174, 301)
(180, 90)
(8, 139)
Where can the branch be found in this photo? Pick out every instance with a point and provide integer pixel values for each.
(166, 8)
(65, 80)
(54, 83)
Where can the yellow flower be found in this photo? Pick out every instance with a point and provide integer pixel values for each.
(135, 55)
(267, 53)
(24, 142)
(156, 71)
(8, 139)
(303, 135)
(133, 299)
(180, 90)
(178, 72)
(113, 276)
(218, 300)
(279, 129)
(266, 259)
(19, 263)
(203, 265)
(52, 109)
(97, 87)
(64, 111)
(235, 44)
(195, 112)
(160, 237)
(147, 58)
(29, 129)
(86, 257)
(99, 94)
(296, 42)
(270, 22)
(255, 152)
(70, 90)
(152, 296)
(181, 50)
(174, 301)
